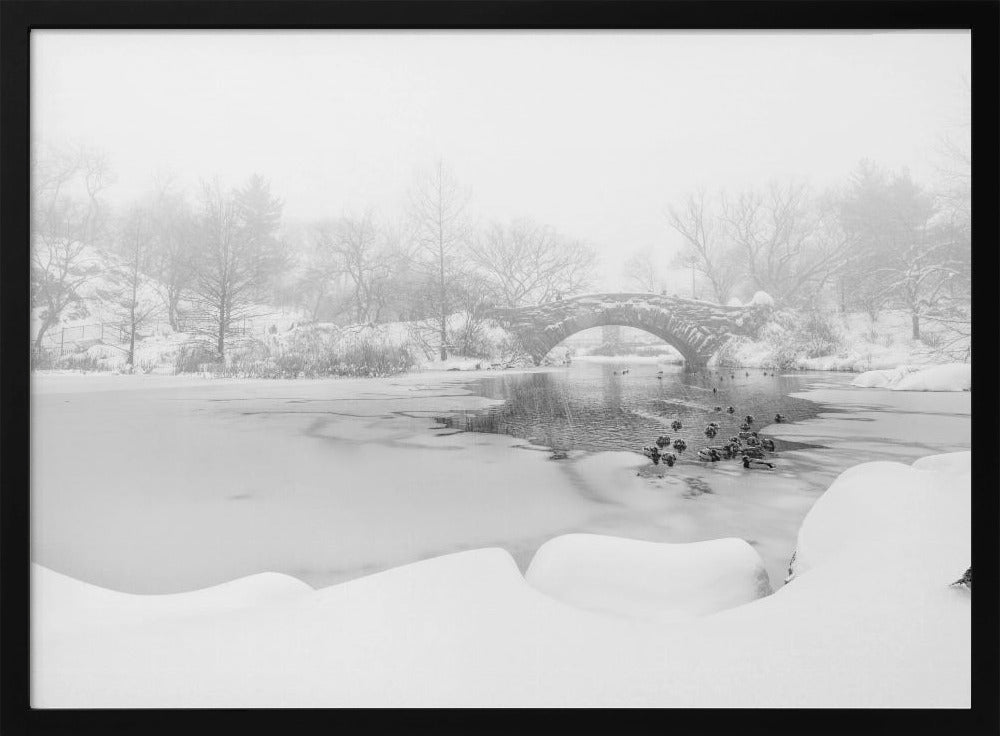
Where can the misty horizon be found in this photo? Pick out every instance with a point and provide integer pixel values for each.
(594, 134)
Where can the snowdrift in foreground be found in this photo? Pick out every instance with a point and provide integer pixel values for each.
(661, 582)
(870, 620)
(948, 377)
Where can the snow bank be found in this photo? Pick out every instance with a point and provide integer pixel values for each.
(870, 620)
(868, 516)
(881, 378)
(761, 299)
(636, 579)
(948, 377)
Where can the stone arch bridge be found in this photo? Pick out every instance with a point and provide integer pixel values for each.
(695, 328)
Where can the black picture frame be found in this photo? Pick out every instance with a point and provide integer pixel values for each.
(19, 17)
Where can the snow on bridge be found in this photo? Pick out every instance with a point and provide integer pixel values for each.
(697, 329)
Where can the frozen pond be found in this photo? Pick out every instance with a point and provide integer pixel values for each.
(161, 484)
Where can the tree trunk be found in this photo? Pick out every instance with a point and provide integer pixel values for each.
(221, 345)
(444, 337)
(444, 304)
(916, 326)
(46, 324)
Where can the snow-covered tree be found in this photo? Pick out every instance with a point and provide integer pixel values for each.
(907, 254)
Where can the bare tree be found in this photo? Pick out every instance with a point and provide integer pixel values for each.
(786, 249)
(175, 241)
(131, 294)
(68, 220)
(354, 245)
(529, 263)
(706, 244)
(644, 270)
(438, 207)
(236, 259)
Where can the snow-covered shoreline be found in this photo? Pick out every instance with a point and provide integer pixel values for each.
(870, 620)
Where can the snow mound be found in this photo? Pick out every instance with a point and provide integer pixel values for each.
(734, 302)
(954, 463)
(870, 516)
(637, 579)
(870, 620)
(761, 299)
(948, 377)
(881, 378)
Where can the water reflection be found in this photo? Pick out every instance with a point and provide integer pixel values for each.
(592, 406)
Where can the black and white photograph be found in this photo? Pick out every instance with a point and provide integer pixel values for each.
(501, 368)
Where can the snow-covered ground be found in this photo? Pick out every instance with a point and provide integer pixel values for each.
(861, 346)
(165, 484)
(870, 620)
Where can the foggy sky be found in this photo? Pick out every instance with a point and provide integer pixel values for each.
(593, 133)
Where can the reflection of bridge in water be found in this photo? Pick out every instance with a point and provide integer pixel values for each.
(695, 328)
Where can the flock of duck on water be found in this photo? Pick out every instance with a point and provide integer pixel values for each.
(747, 445)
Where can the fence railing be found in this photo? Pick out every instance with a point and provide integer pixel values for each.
(62, 340)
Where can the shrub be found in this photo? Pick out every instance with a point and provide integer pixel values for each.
(81, 362)
(817, 336)
(42, 359)
(194, 357)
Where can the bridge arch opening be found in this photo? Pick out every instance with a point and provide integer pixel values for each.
(553, 337)
(617, 341)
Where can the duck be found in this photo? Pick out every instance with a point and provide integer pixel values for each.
(624, 371)
(778, 418)
(662, 441)
(745, 427)
(715, 390)
(749, 419)
(676, 424)
(710, 431)
(752, 441)
(767, 444)
(659, 378)
(709, 454)
(754, 452)
(653, 453)
(669, 458)
(752, 464)
(718, 408)
(680, 445)
(731, 410)
(659, 373)
(713, 424)
(748, 374)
